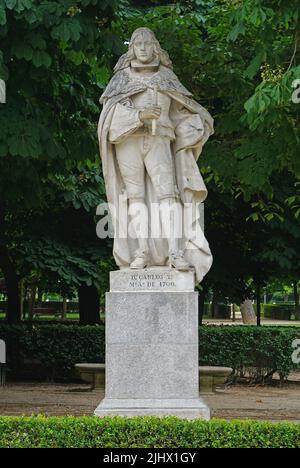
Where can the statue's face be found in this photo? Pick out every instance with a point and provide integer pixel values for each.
(144, 48)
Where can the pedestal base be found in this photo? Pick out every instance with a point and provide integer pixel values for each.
(185, 409)
(152, 349)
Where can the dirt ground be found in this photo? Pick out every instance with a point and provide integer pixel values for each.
(270, 403)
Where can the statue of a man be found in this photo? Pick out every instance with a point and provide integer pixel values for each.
(151, 133)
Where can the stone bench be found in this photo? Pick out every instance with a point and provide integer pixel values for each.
(210, 377)
(213, 377)
(93, 374)
(45, 312)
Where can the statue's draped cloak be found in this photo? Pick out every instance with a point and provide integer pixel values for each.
(191, 186)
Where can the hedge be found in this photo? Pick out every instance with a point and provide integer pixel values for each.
(50, 351)
(223, 311)
(145, 432)
(55, 347)
(278, 311)
(257, 351)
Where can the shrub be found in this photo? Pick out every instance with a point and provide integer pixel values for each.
(222, 311)
(207, 310)
(56, 347)
(262, 350)
(278, 311)
(147, 432)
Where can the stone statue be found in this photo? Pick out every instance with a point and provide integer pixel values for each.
(151, 133)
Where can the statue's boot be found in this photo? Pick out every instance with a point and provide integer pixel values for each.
(141, 260)
(173, 232)
(142, 254)
(177, 260)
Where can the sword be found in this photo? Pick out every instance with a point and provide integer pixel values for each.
(154, 102)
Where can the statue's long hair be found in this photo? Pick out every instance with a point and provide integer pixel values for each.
(162, 55)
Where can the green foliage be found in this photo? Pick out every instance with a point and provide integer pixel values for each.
(278, 311)
(82, 187)
(147, 432)
(222, 311)
(55, 66)
(70, 267)
(262, 350)
(258, 350)
(238, 58)
(56, 59)
(57, 347)
(271, 33)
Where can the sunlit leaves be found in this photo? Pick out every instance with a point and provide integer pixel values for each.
(57, 259)
(76, 57)
(238, 29)
(269, 96)
(255, 64)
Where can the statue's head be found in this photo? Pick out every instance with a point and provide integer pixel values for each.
(143, 47)
(143, 44)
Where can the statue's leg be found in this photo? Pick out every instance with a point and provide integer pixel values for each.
(139, 230)
(170, 215)
(160, 167)
(132, 168)
(172, 224)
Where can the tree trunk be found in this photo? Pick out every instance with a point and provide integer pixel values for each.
(10, 275)
(258, 305)
(233, 312)
(89, 305)
(32, 301)
(39, 297)
(214, 308)
(297, 300)
(248, 313)
(22, 299)
(64, 309)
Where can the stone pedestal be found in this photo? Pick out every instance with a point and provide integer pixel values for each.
(152, 345)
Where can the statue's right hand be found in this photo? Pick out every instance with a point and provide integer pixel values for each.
(150, 113)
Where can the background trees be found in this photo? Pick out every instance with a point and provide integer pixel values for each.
(239, 58)
(54, 57)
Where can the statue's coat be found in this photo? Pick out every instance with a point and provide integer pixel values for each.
(189, 180)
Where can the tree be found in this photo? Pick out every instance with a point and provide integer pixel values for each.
(55, 57)
(239, 60)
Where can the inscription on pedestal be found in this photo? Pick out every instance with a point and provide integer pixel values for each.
(152, 280)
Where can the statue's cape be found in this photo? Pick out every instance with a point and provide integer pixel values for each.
(190, 183)
(124, 83)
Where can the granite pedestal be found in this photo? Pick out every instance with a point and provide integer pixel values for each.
(152, 345)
